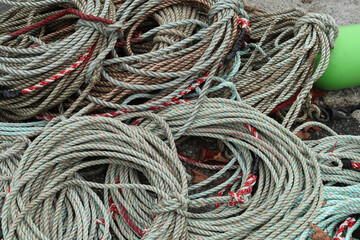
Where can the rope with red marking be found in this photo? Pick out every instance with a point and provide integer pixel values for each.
(53, 78)
(275, 148)
(339, 156)
(70, 201)
(277, 62)
(174, 100)
(347, 224)
(45, 61)
(56, 16)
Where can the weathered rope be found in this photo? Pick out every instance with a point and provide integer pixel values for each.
(99, 178)
(279, 150)
(45, 53)
(48, 180)
(339, 156)
(342, 204)
(203, 33)
(286, 198)
(30, 129)
(11, 151)
(193, 38)
(49, 198)
(279, 65)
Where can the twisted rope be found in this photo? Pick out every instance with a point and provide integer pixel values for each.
(11, 151)
(49, 197)
(286, 198)
(45, 53)
(280, 65)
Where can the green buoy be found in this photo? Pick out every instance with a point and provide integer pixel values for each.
(344, 66)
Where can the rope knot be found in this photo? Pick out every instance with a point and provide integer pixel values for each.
(324, 21)
(175, 203)
(225, 6)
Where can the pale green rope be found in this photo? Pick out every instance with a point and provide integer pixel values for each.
(286, 199)
(280, 64)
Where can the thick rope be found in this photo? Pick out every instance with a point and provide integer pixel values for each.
(286, 199)
(280, 64)
(45, 53)
(49, 197)
(11, 151)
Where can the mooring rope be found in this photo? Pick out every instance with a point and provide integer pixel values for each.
(277, 63)
(298, 194)
(149, 74)
(46, 53)
(11, 151)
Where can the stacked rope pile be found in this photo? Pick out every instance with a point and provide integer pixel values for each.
(65, 64)
(146, 73)
(275, 69)
(46, 51)
(188, 47)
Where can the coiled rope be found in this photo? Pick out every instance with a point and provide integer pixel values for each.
(158, 76)
(11, 151)
(279, 66)
(286, 198)
(339, 156)
(145, 55)
(339, 214)
(49, 198)
(45, 53)
(48, 180)
(199, 46)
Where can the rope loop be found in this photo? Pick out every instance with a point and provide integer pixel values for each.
(225, 6)
(324, 21)
(175, 203)
(104, 29)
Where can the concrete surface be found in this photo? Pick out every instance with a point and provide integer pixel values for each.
(356, 115)
(343, 98)
(345, 12)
